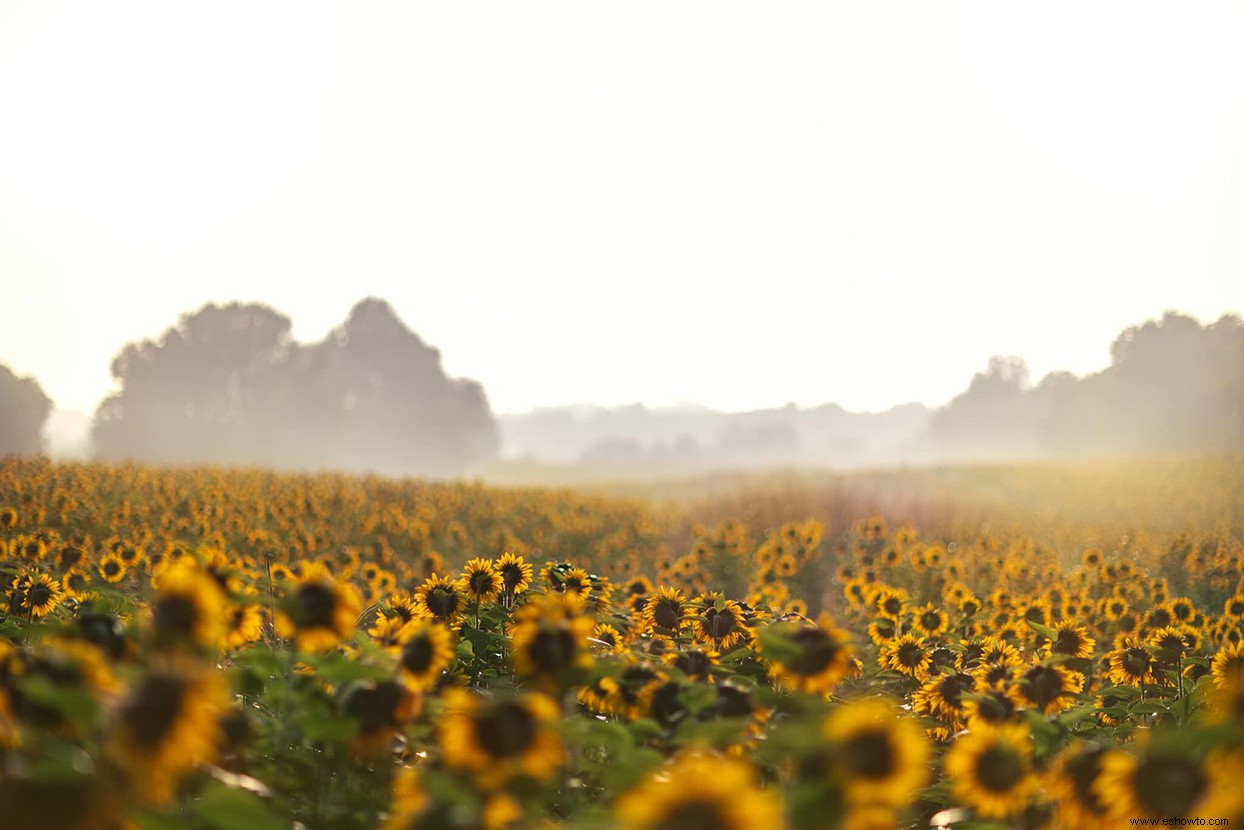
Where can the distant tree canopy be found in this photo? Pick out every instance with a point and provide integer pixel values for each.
(1173, 385)
(24, 409)
(230, 385)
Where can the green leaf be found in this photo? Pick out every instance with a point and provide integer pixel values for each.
(229, 808)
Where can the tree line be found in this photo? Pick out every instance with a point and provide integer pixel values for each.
(228, 384)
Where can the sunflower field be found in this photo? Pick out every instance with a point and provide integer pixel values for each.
(228, 649)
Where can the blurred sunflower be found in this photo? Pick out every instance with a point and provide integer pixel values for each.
(169, 722)
(550, 639)
(814, 657)
(699, 791)
(1046, 689)
(502, 738)
(1156, 783)
(188, 609)
(882, 757)
(990, 770)
(425, 651)
(320, 611)
(1072, 782)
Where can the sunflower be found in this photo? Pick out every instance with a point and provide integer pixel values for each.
(1227, 667)
(1181, 609)
(502, 738)
(398, 608)
(550, 639)
(1157, 783)
(930, 622)
(988, 706)
(409, 801)
(629, 694)
(695, 663)
(699, 791)
(441, 598)
(189, 609)
(890, 603)
(1234, 607)
(380, 710)
(35, 594)
(1131, 664)
(813, 657)
(480, 581)
(666, 612)
(941, 696)
(1072, 640)
(990, 770)
(112, 569)
(243, 625)
(320, 611)
(719, 622)
(169, 722)
(1072, 781)
(1046, 689)
(424, 652)
(907, 654)
(608, 638)
(883, 758)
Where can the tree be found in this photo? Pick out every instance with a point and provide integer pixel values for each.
(196, 394)
(24, 409)
(229, 384)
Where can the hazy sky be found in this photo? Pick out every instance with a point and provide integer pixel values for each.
(734, 204)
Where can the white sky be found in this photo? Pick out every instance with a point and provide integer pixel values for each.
(734, 204)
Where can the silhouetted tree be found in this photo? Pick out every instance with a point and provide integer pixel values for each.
(24, 409)
(992, 418)
(229, 384)
(196, 394)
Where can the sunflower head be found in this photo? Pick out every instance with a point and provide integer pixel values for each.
(807, 658)
(882, 758)
(991, 770)
(697, 790)
(481, 581)
(319, 611)
(501, 738)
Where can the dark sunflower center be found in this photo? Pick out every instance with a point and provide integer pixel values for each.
(70, 556)
(317, 603)
(719, 624)
(112, 568)
(870, 754)
(910, 654)
(480, 583)
(39, 595)
(151, 713)
(667, 614)
(505, 730)
(1136, 662)
(816, 651)
(417, 655)
(1068, 642)
(1168, 786)
(1044, 685)
(998, 769)
(930, 621)
(176, 615)
(1160, 618)
(1083, 771)
(511, 575)
(551, 650)
(693, 663)
(442, 602)
(952, 686)
(694, 814)
(375, 708)
(892, 605)
(995, 707)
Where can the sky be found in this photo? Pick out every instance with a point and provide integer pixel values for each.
(739, 205)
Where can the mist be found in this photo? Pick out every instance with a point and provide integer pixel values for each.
(230, 385)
